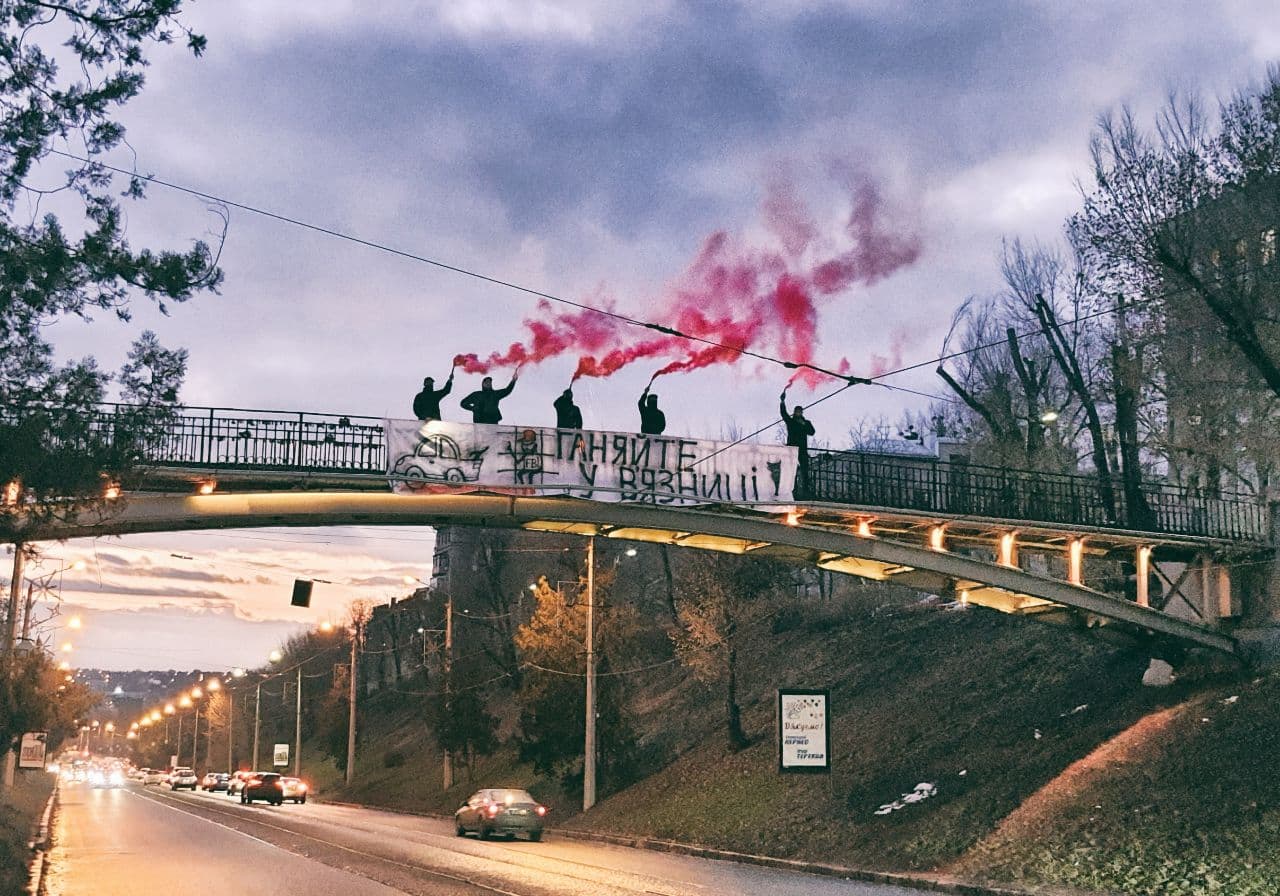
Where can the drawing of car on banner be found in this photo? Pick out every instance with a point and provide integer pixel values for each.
(437, 458)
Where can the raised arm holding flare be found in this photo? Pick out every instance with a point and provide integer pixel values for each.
(483, 403)
(568, 414)
(426, 404)
(799, 429)
(652, 421)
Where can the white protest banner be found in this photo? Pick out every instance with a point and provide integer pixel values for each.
(804, 730)
(592, 464)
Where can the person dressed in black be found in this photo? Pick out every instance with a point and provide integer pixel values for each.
(483, 403)
(426, 404)
(568, 414)
(799, 429)
(652, 420)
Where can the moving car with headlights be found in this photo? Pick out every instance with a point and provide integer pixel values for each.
(236, 782)
(152, 776)
(294, 789)
(181, 778)
(263, 786)
(501, 811)
(215, 781)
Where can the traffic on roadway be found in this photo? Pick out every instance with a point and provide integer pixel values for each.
(122, 831)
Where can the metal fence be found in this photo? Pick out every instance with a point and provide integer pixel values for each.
(957, 489)
(249, 440)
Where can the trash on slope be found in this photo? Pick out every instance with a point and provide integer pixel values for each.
(921, 792)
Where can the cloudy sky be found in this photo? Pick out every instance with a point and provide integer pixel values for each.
(585, 149)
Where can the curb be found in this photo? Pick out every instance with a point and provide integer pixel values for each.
(39, 846)
(822, 869)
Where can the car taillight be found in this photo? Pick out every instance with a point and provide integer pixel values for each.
(541, 810)
(493, 810)
(276, 784)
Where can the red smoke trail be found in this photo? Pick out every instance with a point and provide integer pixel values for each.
(762, 299)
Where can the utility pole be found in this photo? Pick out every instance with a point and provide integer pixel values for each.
(297, 730)
(195, 739)
(447, 763)
(589, 750)
(179, 741)
(231, 728)
(257, 723)
(26, 613)
(11, 629)
(356, 636)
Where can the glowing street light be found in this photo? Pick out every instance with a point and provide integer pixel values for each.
(67, 647)
(185, 701)
(213, 684)
(275, 656)
(238, 672)
(155, 715)
(75, 622)
(326, 627)
(64, 666)
(196, 693)
(168, 709)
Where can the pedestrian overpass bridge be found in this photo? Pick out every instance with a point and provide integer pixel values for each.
(1034, 544)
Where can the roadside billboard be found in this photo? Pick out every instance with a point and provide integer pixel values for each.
(280, 755)
(804, 730)
(31, 753)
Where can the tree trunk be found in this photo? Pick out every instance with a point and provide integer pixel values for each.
(1126, 375)
(737, 737)
(664, 552)
(1069, 364)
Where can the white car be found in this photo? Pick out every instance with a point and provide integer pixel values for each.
(152, 776)
(182, 777)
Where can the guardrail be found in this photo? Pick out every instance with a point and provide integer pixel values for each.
(259, 440)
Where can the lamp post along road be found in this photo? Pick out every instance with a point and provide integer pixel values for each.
(446, 764)
(297, 730)
(351, 702)
(257, 723)
(231, 730)
(589, 748)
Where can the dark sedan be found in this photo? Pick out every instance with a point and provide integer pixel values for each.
(501, 811)
(266, 786)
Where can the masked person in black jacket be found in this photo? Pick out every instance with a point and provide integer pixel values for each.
(426, 404)
(652, 420)
(568, 414)
(799, 429)
(483, 403)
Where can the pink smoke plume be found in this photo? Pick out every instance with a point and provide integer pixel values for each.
(733, 295)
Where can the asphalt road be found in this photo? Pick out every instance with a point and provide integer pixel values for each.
(137, 840)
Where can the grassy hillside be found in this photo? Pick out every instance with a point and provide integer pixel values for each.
(989, 709)
(986, 708)
(1186, 803)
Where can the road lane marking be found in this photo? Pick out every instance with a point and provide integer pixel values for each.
(412, 867)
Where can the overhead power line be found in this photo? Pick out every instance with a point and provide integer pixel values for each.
(466, 272)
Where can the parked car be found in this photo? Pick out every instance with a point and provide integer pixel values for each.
(263, 786)
(181, 778)
(152, 776)
(215, 781)
(294, 789)
(501, 811)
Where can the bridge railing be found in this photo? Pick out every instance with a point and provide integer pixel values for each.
(960, 489)
(259, 440)
(242, 438)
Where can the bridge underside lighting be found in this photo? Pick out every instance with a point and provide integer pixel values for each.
(206, 486)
